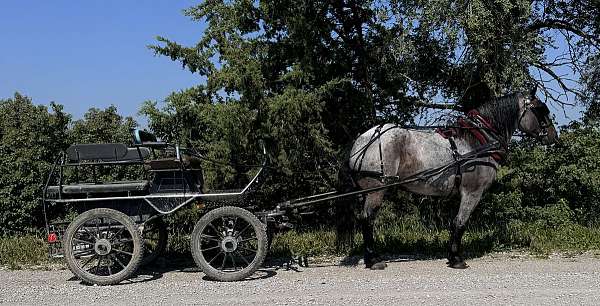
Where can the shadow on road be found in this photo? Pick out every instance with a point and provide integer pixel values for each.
(416, 250)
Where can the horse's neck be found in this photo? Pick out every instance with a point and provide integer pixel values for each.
(505, 121)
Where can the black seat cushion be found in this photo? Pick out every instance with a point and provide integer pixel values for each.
(134, 154)
(163, 164)
(116, 187)
(189, 163)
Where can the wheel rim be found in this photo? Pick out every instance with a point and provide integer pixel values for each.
(102, 246)
(229, 244)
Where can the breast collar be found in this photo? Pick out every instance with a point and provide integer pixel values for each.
(480, 127)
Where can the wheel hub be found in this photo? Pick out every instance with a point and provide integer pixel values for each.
(102, 247)
(229, 244)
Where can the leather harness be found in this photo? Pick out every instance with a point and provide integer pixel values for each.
(480, 127)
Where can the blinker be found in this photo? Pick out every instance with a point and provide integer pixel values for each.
(541, 110)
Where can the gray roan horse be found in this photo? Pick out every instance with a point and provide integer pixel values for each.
(460, 160)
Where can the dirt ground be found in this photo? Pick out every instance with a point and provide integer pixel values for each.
(496, 279)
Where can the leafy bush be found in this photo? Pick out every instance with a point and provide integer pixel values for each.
(30, 138)
(554, 185)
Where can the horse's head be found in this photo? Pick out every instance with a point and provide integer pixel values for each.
(535, 121)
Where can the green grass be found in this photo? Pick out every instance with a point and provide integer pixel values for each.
(404, 236)
(411, 237)
(24, 251)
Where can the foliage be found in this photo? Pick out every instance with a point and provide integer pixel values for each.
(308, 76)
(23, 251)
(103, 126)
(30, 139)
(550, 185)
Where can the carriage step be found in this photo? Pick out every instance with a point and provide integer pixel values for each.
(285, 226)
(224, 191)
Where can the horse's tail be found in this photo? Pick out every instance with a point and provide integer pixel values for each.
(345, 207)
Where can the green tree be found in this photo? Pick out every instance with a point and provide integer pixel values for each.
(103, 126)
(30, 139)
(310, 75)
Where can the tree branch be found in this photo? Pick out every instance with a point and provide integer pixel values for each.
(558, 24)
(558, 80)
(438, 105)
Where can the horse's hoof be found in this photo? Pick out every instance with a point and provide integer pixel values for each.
(379, 266)
(458, 265)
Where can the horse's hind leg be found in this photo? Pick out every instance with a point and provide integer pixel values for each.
(372, 203)
(468, 202)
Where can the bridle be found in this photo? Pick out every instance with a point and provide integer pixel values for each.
(541, 113)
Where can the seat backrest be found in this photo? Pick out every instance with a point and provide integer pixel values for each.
(106, 152)
(140, 137)
(96, 151)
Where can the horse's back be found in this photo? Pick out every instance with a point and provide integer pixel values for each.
(395, 151)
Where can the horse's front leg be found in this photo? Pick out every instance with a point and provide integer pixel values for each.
(468, 202)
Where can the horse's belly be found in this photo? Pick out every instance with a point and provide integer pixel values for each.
(427, 156)
(437, 185)
(403, 154)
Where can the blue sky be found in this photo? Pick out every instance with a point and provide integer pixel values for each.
(92, 53)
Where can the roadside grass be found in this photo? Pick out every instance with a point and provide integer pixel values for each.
(409, 236)
(406, 236)
(23, 251)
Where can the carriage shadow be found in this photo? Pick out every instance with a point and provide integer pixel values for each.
(180, 264)
(186, 264)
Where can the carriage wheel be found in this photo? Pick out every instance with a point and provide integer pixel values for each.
(155, 236)
(229, 243)
(103, 246)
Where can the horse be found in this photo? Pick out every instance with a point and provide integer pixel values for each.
(461, 159)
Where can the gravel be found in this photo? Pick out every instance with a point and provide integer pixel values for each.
(497, 279)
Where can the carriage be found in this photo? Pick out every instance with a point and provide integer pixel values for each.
(119, 225)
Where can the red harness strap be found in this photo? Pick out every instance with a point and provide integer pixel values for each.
(474, 115)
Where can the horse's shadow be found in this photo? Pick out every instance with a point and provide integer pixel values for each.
(396, 249)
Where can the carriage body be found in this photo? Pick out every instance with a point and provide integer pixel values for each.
(119, 224)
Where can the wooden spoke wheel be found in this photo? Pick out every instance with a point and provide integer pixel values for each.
(155, 237)
(103, 246)
(229, 243)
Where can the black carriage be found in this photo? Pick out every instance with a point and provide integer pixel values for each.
(119, 225)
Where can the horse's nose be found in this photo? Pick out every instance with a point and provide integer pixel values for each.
(550, 139)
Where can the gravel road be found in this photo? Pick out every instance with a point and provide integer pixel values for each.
(494, 279)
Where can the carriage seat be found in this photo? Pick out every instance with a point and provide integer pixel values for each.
(116, 187)
(147, 139)
(106, 152)
(188, 162)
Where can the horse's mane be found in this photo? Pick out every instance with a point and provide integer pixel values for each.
(501, 112)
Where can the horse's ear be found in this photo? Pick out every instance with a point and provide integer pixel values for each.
(533, 91)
